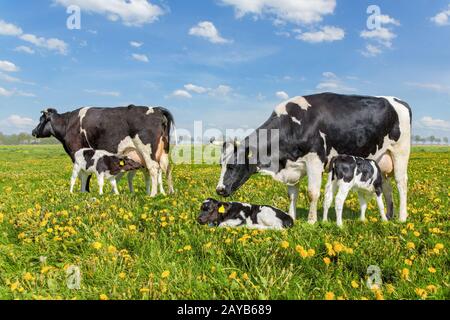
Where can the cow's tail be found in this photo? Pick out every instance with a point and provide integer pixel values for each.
(170, 123)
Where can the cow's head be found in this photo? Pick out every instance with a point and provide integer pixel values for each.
(213, 212)
(238, 163)
(44, 129)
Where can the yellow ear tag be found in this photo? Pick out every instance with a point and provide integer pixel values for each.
(222, 209)
(122, 163)
(250, 154)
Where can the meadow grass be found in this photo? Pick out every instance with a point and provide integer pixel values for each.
(136, 247)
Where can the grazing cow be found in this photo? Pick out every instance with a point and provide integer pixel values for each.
(103, 164)
(140, 133)
(347, 173)
(235, 214)
(312, 130)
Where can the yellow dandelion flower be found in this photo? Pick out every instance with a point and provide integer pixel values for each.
(103, 297)
(439, 246)
(164, 224)
(330, 296)
(405, 273)
(97, 245)
(390, 288)
(421, 293)
(112, 249)
(326, 260)
(378, 294)
(245, 277)
(165, 274)
(417, 233)
(410, 245)
(431, 288)
(122, 275)
(144, 290)
(338, 247)
(208, 245)
(355, 284)
(132, 227)
(233, 275)
(431, 270)
(187, 248)
(14, 286)
(408, 262)
(28, 277)
(311, 252)
(284, 244)
(45, 269)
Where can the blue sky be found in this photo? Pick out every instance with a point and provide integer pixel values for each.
(226, 62)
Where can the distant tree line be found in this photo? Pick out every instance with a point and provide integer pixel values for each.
(24, 138)
(429, 140)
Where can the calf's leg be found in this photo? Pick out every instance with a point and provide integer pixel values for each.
(363, 204)
(293, 195)
(330, 190)
(340, 200)
(314, 168)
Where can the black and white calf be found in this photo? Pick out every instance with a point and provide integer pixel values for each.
(236, 214)
(103, 164)
(347, 173)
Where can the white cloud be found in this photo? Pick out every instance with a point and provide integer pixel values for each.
(8, 78)
(293, 11)
(25, 94)
(5, 93)
(221, 90)
(9, 29)
(282, 95)
(382, 35)
(136, 44)
(24, 49)
(8, 66)
(442, 18)
(18, 121)
(181, 94)
(430, 86)
(371, 51)
(140, 57)
(130, 12)
(103, 93)
(207, 30)
(325, 34)
(331, 82)
(52, 44)
(437, 124)
(195, 88)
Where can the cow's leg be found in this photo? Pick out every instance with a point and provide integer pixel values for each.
(131, 176)
(387, 192)
(314, 168)
(160, 182)
(87, 184)
(113, 183)
(330, 190)
(74, 177)
(401, 177)
(101, 182)
(340, 200)
(167, 169)
(84, 177)
(147, 181)
(293, 195)
(363, 205)
(381, 207)
(153, 172)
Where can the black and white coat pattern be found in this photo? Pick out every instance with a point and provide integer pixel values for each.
(103, 164)
(353, 173)
(236, 214)
(312, 130)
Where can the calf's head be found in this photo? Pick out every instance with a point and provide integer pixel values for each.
(213, 212)
(44, 129)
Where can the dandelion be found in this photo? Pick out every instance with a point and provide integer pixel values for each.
(421, 293)
(165, 274)
(103, 297)
(284, 244)
(431, 288)
(311, 252)
(408, 262)
(122, 275)
(390, 288)
(112, 250)
(97, 245)
(410, 246)
(439, 246)
(329, 296)
(1, 217)
(338, 247)
(245, 277)
(187, 248)
(28, 277)
(208, 245)
(431, 270)
(405, 273)
(132, 227)
(326, 260)
(14, 286)
(233, 275)
(355, 284)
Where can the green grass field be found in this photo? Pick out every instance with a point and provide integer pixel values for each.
(135, 247)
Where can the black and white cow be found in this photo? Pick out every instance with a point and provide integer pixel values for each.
(236, 214)
(312, 130)
(347, 173)
(140, 133)
(103, 164)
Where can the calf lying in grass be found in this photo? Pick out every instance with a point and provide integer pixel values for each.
(347, 173)
(101, 163)
(235, 214)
